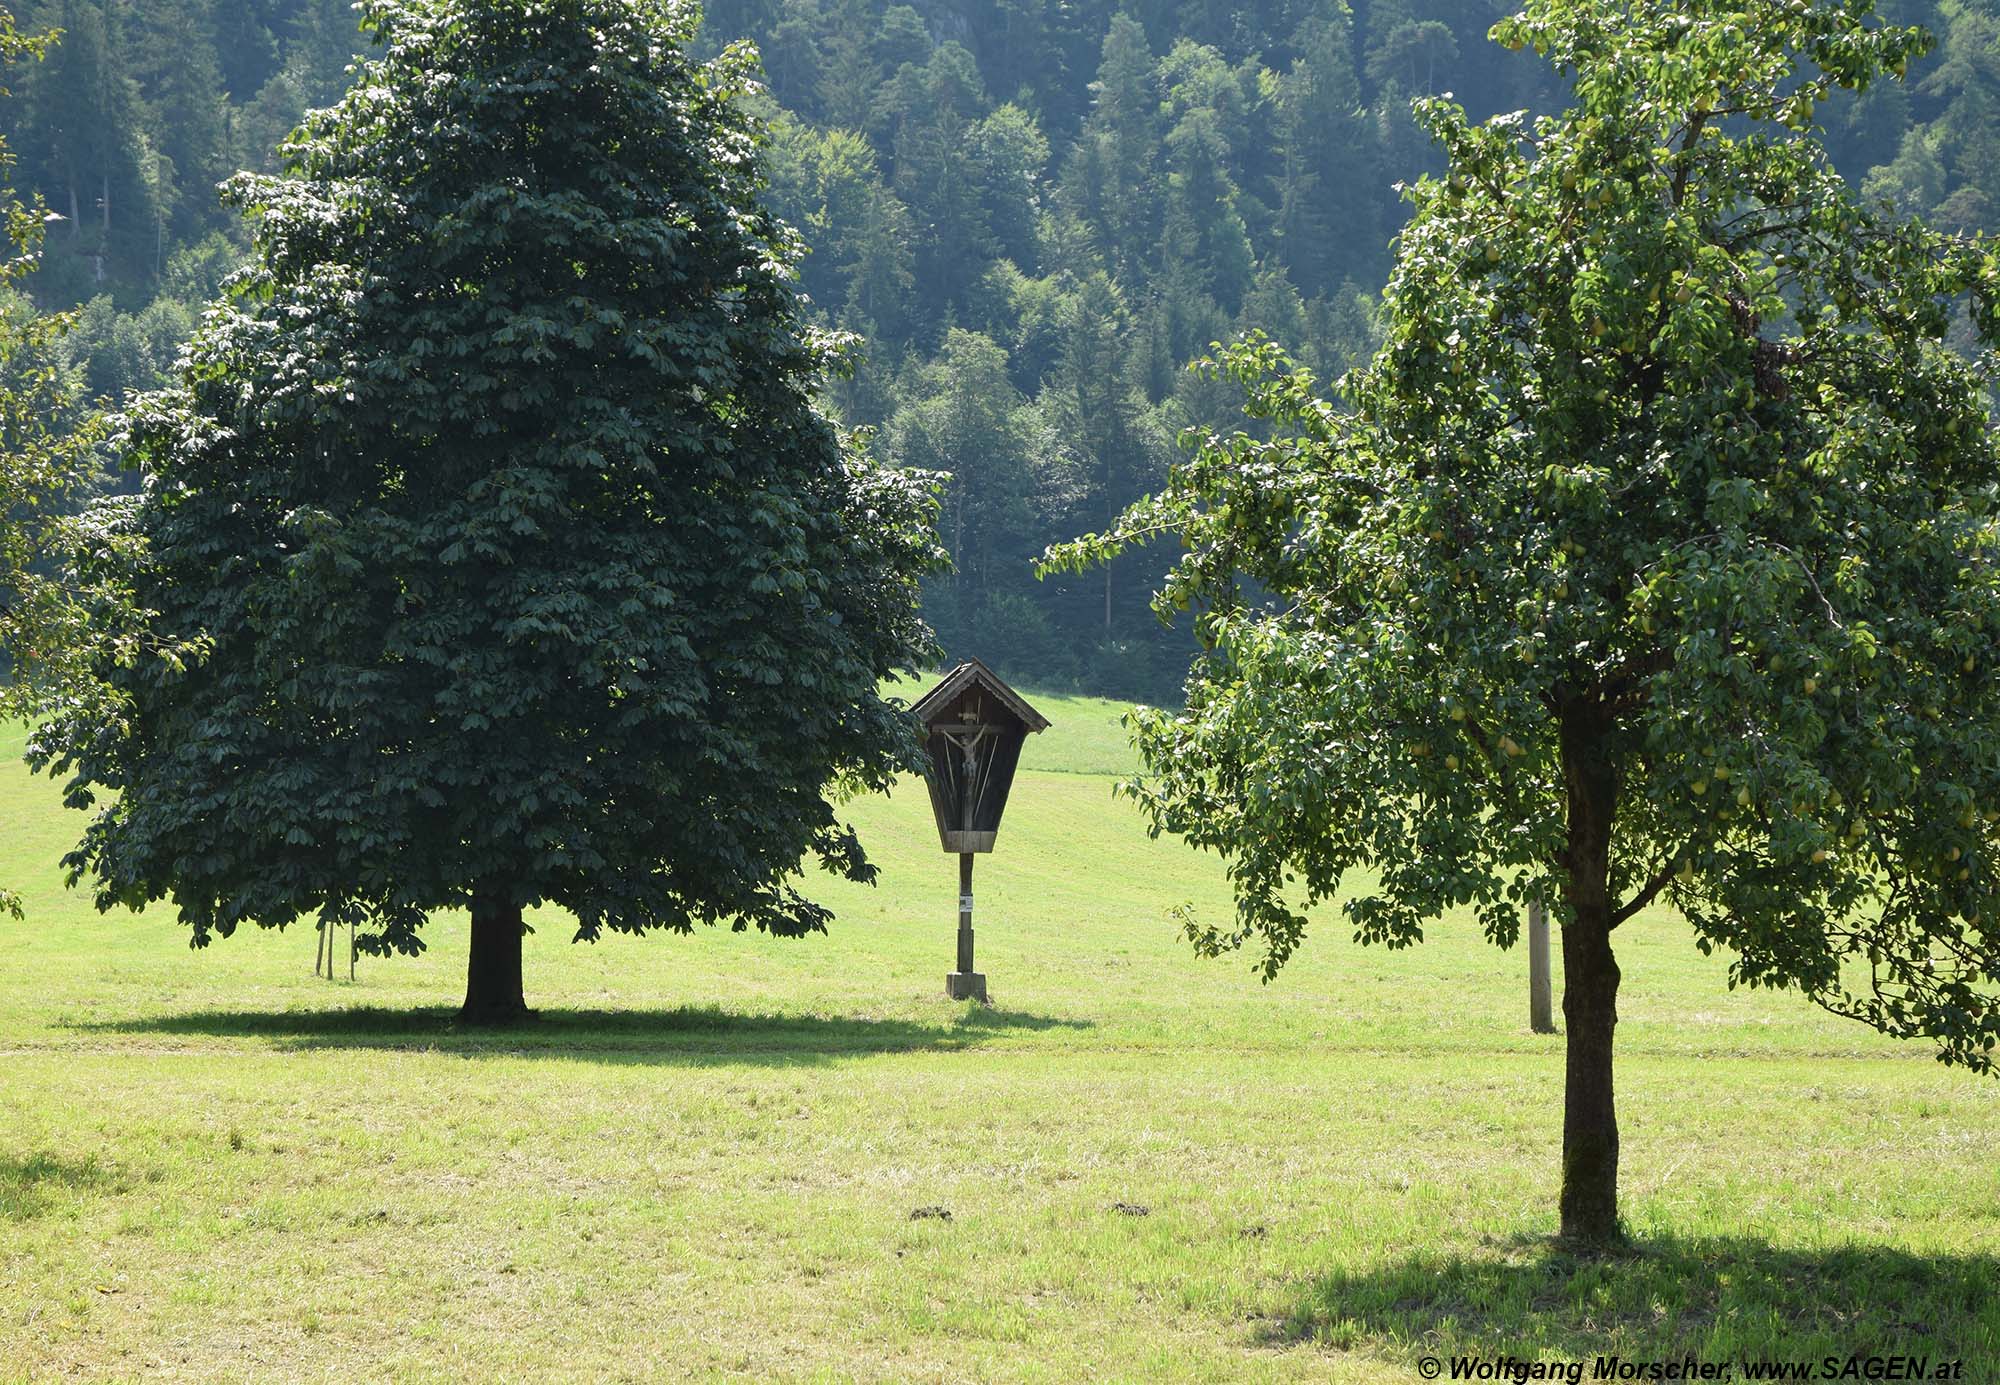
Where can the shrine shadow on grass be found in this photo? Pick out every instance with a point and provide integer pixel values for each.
(688, 1035)
(1725, 1300)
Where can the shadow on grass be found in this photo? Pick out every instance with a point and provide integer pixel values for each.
(1724, 1300)
(686, 1035)
(31, 1183)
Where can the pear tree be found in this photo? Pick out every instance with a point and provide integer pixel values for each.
(1653, 559)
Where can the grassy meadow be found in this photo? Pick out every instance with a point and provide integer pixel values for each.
(705, 1159)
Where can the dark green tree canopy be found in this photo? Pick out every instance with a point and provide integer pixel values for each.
(532, 571)
(1655, 554)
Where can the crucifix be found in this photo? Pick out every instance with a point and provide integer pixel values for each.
(966, 983)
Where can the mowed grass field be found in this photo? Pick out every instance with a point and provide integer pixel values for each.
(705, 1159)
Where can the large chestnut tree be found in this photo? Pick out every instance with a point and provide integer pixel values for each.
(528, 570)
(1653, 558)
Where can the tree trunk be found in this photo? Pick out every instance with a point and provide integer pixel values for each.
(493, 969)
(1590, 992)
(1590, 1118)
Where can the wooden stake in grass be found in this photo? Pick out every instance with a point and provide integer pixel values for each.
(1541, 1004)
(328, 931)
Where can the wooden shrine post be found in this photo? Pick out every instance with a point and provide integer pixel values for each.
(974, 726)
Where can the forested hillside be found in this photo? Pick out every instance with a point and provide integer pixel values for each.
(1032, 213)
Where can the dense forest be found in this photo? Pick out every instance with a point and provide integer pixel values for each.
(1030, 213)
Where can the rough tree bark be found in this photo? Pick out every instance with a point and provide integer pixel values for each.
(1590, 991)
(493, 994)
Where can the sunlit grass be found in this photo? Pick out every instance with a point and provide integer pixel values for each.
(705, 1157)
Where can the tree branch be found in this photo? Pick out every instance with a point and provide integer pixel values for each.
(1645, 896)
(1684, 168)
